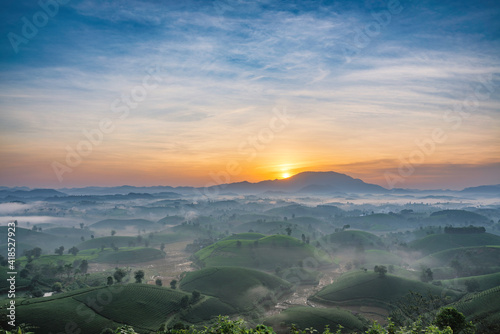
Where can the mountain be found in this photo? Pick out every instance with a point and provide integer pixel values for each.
(493, 189)
(30, 194)
(306, 182)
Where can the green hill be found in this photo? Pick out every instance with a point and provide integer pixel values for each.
(439, 242)
(457, 217)
(483, 309)
(351, 238)
(118, 241)
(470, 258)
(375, 222)
(172, 220)
(130, 255)
(485, 281)
(245, 236)
(145, 307)
(120, 224)
(241, 288)
(308, 317)
(368, 289)
(265, 253)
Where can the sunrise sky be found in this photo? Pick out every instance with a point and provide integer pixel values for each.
(175, 92)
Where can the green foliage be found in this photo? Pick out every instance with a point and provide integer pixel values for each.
(450, 317)
(139, 276)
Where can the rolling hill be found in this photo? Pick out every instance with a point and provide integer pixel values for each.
(439, 242)
(265, 253)
(367, 288)
(145, 307)
(319, 318)
(242, 288)
(118, 224)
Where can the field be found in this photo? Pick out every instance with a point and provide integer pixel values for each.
(308, 317)
(145, 307)
(485, 281)
(367, 288)
(438, 242)
(483, 256)
(242, 288)
(483, 309)
(266, 253)
(130, 255)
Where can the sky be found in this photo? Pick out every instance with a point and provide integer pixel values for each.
(399, 93)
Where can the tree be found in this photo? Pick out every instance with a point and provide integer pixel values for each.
(60, 250)
(113, 232)
(139, 276)
(184, 302)
(288, 230)
(173, 284)
(381, 270)
(238, 243)
(449, 316)
(84, 266)
(68, 268)
(196, 295)
(109, 280)
(92, 236)
(119, 274)
(472, 285)
(158, 282)
(426, 275)
(37, 251)
(162, 246)
(57, 287)
(82, 238)
(73, 250)
(81, 225)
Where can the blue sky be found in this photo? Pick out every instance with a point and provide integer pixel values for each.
(361, 92)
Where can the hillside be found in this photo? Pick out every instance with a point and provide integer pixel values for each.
(308, 317)
(483, 309)
(242, 288)
(352, 238)
(265, 253)
(439, 242)
(137, 224)
(130, 255)
(145, 307)
(367, 288)
(469, 258)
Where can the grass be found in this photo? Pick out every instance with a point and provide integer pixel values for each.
(485, 281)
(240, 288)
(143, 306)
(484, 256)
(265, 253)
(483, 309)
(308, 317)
(130, 255)
(367, 288)
(439, 242)
(118, 241)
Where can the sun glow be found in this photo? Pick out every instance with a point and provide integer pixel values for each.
(286, 175)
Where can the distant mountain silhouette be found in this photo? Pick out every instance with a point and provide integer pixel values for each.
(493, 189)
(307, 182)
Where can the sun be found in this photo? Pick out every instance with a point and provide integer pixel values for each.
(286, 175)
